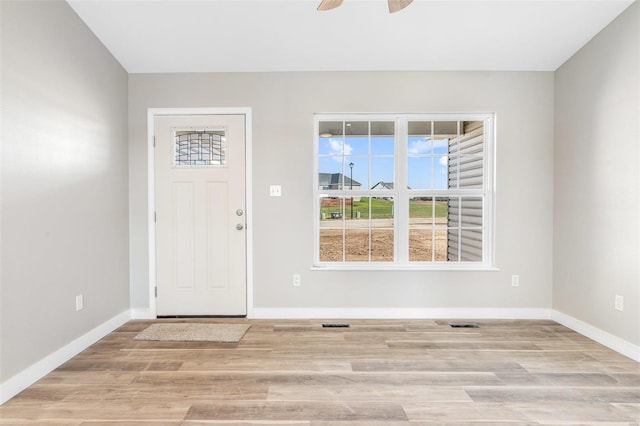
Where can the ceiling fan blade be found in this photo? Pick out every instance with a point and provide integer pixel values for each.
(396, 5)
(329, 4)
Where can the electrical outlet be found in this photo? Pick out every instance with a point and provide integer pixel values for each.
(79, 302)
(619, 303)
(515, 280)
(296, 280)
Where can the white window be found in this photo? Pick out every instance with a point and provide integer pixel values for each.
(403, 191)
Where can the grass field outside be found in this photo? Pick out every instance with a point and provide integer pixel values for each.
(384, 209)
(420, 208)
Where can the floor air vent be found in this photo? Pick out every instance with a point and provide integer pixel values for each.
(334, 325)
(464, 325)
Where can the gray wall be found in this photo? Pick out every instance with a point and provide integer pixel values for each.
(283, 105)
(64, 182)
(597, 180)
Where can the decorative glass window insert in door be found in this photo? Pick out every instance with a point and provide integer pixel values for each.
(199, 147)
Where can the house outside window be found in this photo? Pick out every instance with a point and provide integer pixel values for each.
(394, 191)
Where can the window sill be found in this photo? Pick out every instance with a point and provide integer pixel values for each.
(462, 267)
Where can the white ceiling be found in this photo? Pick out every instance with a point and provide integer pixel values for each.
(149, 36)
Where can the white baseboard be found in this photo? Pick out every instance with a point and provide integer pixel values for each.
(604, 338)
(142, 313)
(401, 313)
(35, 372)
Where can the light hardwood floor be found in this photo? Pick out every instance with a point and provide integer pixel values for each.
(373, 373)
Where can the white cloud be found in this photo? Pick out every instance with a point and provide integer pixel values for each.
(441, 143)
(444, 160)
(336, 147)
(420, 146)
(423, 145)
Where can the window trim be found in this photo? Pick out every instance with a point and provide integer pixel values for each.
(401, 193)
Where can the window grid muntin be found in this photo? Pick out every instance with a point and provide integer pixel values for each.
(486, 120)
(343, 191)
(345, 159)
(341, 223)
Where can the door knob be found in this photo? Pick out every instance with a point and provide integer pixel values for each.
(239, 227)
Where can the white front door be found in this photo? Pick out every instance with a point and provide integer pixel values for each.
(200, 215)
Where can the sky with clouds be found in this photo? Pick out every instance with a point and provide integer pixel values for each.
(427, 163)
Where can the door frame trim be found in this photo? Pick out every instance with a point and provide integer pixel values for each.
(152, 113)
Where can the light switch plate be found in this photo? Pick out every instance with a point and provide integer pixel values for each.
(275, 190)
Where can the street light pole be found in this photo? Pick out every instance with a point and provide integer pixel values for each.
(351, 186)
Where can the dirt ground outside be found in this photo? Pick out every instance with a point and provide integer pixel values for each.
(356, 245)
